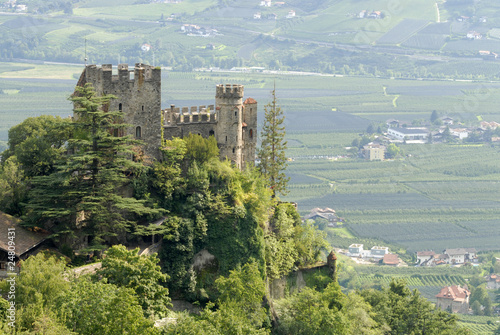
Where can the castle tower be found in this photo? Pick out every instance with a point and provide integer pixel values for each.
(229, 109)
(137, 96)
(249, 130)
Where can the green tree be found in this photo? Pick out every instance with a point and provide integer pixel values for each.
(39, 143)
(392, 151)
(201, 150)
(13, 186)
(434, 116)
(97, 308)
(125, 268)
(272, 157)
(83, 195)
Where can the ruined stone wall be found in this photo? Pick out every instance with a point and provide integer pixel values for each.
(138, 96)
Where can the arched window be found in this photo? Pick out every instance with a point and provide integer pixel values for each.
(138, 132)
(233, 150)
(235, 113)
(251, 133)
(120, 107)
(143, 108)
(211, 133)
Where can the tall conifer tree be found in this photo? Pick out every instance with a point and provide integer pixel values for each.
(86, 193)
(272, 157)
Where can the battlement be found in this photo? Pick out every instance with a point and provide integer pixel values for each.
(229, 91)
(175, 116)
(141, 73)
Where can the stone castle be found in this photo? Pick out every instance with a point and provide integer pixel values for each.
(232, 121)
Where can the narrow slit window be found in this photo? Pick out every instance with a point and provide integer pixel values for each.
(138, 132)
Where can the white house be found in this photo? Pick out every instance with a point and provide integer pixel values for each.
(461, 255)
(291, 14)
(461, 133)
(265, 3)
(493, 282)
(424, 256)
(474, 35)
(379, 252)
(257, 16)
(408, 134)
(145, 47)
(356, 250)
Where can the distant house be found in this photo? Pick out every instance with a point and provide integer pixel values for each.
(474, 35)
(322, 213)
(145, 47)
(408, 134)
(291, 14)
(391, 259)
(425, 256)
(392, 123)
(461, 133)
(279, 3)
(375, 15)
(356, 250)
(493, 282)
(489, 125)
(257, 16)
(447, 121)
(379, 252)
(373, 152)
(463, 18)
(265, 3)
(483, 19)
(26, 242)
(461, 255)
(362, 14)
(454, 299)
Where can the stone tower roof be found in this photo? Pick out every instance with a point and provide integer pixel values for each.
(250, 101)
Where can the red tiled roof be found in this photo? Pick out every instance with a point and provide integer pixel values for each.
(250, 101)
(456, 293)
(391, 259)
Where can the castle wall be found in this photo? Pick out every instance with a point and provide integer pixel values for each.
(138, 96)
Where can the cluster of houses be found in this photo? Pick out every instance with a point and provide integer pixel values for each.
(376, 14)
(195, 30)
(269, 3)
(272, 16)
(412, 134)
(449, 256)
(376, 253)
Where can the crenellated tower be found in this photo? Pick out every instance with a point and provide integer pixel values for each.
(138, 96)
(229, 131)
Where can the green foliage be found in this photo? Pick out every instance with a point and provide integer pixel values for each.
(312, 312)
(82, 192)
(200, 149)
(406, 312)
(272, 156)
(99, 308)
(309, 242)
(125, 268)
(392, 151)
(239, 307)
(13, 186)
(39, 143)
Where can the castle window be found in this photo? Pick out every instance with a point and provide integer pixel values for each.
(233, 150)
(120, 107)
(138, 132)
(251, 133)
(143, 108)
(226, 138)
(235, 113)
(211, 133)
